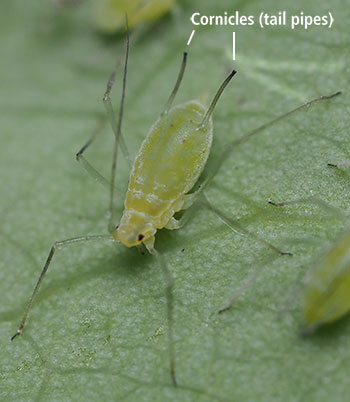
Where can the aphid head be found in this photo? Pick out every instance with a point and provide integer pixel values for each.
(133, 230)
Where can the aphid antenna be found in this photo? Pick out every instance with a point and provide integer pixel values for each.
(216, 98)
(177, 85)
(117, 129)
(80, 155)
(110, 111)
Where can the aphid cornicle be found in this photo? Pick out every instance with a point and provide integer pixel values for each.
(166, 168)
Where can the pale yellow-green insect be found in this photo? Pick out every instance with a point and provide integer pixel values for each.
(326, 296)
(111, 13)
(165, 170)
(327, 288)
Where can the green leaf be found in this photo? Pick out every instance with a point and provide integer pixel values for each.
(97, 330)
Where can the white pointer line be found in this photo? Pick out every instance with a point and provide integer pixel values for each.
(190, 38)
(233, 45)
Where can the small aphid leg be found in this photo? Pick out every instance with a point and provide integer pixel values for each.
(177, 85)
(191, 198)
(236, 227)
(342, 164)
(216, 98)
(173, 224)
(246, 285)
(57, 246)
(100, 125)
(169, 284)
(18, 332)
(141, 249)
(252, 278)
(276, 204)
(84, 162)
(313, 201)
(332, 95)
(189, 201)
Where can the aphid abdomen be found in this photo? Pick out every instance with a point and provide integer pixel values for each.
(327, 295)
(169, 163)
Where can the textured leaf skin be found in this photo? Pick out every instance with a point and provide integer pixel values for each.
(97, 330)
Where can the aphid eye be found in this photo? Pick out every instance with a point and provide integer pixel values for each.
(141, 236)
(116, 227)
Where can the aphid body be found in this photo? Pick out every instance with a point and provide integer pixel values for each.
(111, 15)
(169, 162)
(326, 295)
(327, 292)
(168, 165)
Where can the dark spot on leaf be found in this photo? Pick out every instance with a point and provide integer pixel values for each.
(141, 236)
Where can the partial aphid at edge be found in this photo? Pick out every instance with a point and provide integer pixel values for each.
(326, 293)
(327, 286)
(111, 13)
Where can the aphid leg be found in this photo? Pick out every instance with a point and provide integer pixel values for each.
(232, 145)
(342, 164)
(84, 162)
(179, 223)
(141, 249)
(235, 226)
(190, 199)
(174, 224)
(169, 284)
(313, 200)
(116, 126)
(246, 285)
(177, 85)
(57, 246)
